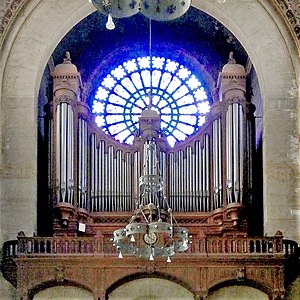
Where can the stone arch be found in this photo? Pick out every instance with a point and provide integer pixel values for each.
(43, 23)
(46, 289)
(246, 285)
(155, 285)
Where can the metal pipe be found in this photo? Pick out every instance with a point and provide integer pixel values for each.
(241, 150)
(220, 163)
(235, 151)
(71, 155)
(197, 171)
(80, 167)
(229, 166)
(128, 181)
(207, 170)
(63, 153)
(93, 165)
(58, 153)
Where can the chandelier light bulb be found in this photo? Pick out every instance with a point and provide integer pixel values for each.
(132, 239)
(120, 255)
(169, 259)
(110, 25)
(151, 257)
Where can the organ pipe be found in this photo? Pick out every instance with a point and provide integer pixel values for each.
(111, 186)
(217, 165)
(65, 153)
(234, 152)
(82, 163)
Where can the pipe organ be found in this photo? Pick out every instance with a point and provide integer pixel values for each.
(96, 179)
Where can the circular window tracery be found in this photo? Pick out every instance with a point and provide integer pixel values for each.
(177, 95)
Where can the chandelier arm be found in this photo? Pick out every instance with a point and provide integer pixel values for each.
(144, 216)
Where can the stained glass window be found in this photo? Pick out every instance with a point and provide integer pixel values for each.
(177, 95)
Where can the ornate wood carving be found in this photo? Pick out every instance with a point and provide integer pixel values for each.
(89, 263)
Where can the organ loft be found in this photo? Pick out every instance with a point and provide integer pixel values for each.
(150, 207)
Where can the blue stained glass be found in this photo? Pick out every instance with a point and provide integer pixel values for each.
(108, 82)
(183, 73)
(126, 82)
(162, 103)
(117, 100)
(188, 99)
(193, 82)
(179, 135)
(200, 94)
(156, 78)
(98, 107)
(191, 109)
(113, 129)
(171, 140)
(174, 84)
(158, 62)
(166, 78)
(146, 77)
(100, 121)
(136, 78)
(112, 119)
(177, 95)
(171, 66)
(183, 90)
(119, 72)
(130, 65)
(203, 107)
(144, 62)
(121, 91)
(101, 94)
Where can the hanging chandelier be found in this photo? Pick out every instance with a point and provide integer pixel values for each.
(152, 230)
(159, 10)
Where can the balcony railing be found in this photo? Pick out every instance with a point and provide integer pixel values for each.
(51, 246)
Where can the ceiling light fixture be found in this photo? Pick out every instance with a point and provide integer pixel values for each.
(162, 10)
(152, 230)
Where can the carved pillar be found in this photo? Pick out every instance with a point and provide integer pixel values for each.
(66, 93)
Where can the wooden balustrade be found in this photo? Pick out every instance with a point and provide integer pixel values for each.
(102, 245)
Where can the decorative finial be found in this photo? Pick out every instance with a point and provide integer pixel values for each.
(231, 59)
(67, 59)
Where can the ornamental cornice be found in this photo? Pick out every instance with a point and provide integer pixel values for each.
(8, 11)
(289, 9)
(291, 12)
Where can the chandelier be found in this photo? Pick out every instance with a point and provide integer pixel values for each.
(159, 10)
(152, 230)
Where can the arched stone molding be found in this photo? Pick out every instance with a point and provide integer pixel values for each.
(290, 11)
(260, 286)
(231, 290)
(158, 286)
(43, 23)
(65, 290)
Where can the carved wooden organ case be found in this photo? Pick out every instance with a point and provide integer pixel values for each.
(207, 178)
